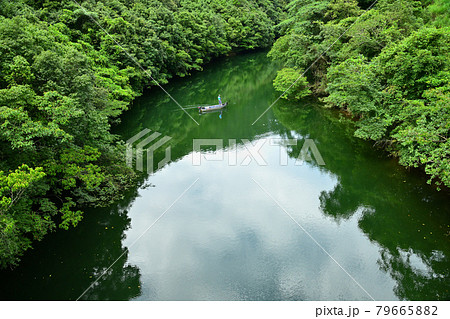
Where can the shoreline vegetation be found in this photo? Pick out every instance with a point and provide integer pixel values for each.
(389, 71)
(64, 82)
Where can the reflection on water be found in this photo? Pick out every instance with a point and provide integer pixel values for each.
(407, 219)
(66, 263)
(226, 239)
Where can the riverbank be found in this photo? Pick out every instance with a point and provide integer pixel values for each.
(387, 65)
(67, 74)
(225, 238)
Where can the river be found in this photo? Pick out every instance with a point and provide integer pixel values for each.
(243, 217)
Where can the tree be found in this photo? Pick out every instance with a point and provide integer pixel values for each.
(17, 219)
(291, 81)
(64, 82)
(385, 67)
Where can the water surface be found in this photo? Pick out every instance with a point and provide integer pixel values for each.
(360, 226)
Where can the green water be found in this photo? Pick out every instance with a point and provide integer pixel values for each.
(247, 231)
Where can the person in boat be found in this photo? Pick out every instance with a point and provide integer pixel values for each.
(220, 100)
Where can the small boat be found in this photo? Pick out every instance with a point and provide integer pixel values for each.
(211, 108)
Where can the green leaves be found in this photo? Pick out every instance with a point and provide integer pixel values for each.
(64, 81)
(424, 135)
(19, 72)
(13, 185)
(57, 108)
(291, 80)
(390, 71)
(411, 112)
(412, 65)
(21, 122)
(75, 165)
(353, 86)
(68, 216)
(15, 215)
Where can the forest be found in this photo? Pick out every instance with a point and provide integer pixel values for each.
(65, 81)
(384, 63)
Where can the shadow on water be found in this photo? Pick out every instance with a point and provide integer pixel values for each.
(405, 217)
(407, 220)
(67, 262)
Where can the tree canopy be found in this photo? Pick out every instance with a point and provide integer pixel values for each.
(386, 65)
(68, 72)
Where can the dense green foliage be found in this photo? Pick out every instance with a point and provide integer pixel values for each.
(64, 80)
(390, 70)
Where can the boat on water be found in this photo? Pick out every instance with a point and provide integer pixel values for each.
(210, 108)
